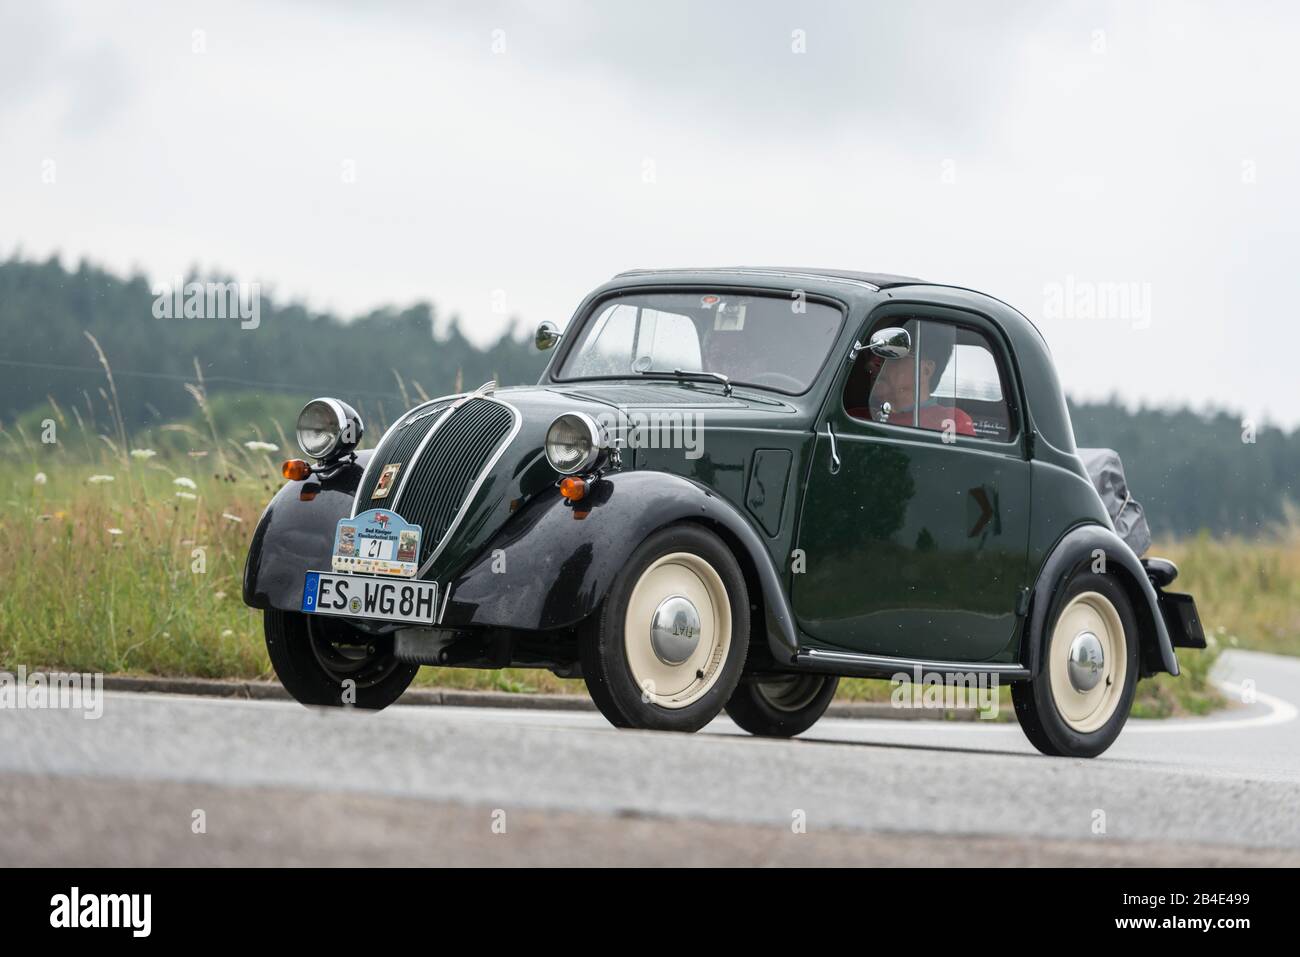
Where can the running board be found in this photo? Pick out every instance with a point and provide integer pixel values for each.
(851, 664)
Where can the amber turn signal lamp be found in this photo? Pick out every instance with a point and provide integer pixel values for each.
(295, 470)
(573, 488)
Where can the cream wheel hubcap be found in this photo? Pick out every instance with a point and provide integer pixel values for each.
(1088, 661)
(677, 631)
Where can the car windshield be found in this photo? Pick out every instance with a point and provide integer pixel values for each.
(772, 342)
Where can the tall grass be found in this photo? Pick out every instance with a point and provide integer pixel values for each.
(1248, 592)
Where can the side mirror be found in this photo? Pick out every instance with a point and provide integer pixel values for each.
(892, 343)
(548, 334)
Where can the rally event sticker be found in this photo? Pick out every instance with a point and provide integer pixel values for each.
(377, 542)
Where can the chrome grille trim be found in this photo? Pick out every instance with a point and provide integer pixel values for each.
(492, 461)
(419, 450)
(399, 423)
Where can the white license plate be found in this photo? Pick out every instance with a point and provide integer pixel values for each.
(360, 596)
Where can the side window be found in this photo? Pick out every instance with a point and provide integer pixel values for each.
(950, 382)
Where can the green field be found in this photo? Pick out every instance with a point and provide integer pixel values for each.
(121, 561)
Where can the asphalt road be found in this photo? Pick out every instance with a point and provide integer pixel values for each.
(274, 783)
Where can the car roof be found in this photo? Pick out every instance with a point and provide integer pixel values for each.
(865, 281)
(877, 280)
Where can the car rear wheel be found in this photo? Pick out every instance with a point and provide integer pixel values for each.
(325, 661)
(668, 644)
(781, 706)
(1077, 703)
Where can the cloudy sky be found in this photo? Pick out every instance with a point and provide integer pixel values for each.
(1124, 173)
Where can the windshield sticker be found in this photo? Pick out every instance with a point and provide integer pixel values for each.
(730, 317)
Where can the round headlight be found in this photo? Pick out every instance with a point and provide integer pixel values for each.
(328, 427)
(574, 443)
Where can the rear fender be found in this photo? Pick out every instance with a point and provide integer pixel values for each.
(1083, 546)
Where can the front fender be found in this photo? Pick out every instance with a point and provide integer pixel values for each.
(1081, 546)
(295, 535)
(548, 569)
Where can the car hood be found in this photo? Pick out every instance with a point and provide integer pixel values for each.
(519, 472)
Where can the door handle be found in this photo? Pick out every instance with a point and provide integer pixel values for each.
(835, 452)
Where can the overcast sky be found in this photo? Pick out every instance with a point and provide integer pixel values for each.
(500, 159)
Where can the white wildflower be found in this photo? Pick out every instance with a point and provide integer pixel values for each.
(97, 479)
(40, 478)
(226, 633)
(188, 496)
(219, 595)
(231, 518)
(143, 453)
(257, 446)
(115, 531)
(184, 482)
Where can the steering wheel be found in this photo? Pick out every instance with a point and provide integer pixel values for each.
(787, 382)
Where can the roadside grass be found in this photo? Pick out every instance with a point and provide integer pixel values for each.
(125, 559)
(1248, 592)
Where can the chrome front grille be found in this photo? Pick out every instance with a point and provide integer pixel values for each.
(398, 445)
(448, 469)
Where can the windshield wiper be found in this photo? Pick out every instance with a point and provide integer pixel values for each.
(692, 377)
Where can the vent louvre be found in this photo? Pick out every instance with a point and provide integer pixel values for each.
(441, 479)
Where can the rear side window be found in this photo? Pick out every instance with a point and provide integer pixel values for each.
(950, 382)
(973, 383)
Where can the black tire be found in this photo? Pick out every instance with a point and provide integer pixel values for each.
(315, 655)
(781, 706)
(1037, 708)
(604, 649)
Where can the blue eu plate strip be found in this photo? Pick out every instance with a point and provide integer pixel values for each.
(309, 590)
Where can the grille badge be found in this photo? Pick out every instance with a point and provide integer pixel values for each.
(386, 477)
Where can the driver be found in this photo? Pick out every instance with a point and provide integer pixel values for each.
(894, 390)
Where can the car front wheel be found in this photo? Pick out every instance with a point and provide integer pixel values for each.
(668, 644)
(325, 661)
(1077, 703)
(783, 705)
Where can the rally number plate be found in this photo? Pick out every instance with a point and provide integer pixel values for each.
(377, 542)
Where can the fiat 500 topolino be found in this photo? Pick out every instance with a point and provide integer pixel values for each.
(729, 488)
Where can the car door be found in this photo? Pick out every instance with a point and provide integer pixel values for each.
(915, 521)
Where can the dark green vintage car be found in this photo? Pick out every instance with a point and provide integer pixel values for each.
(729, 488)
